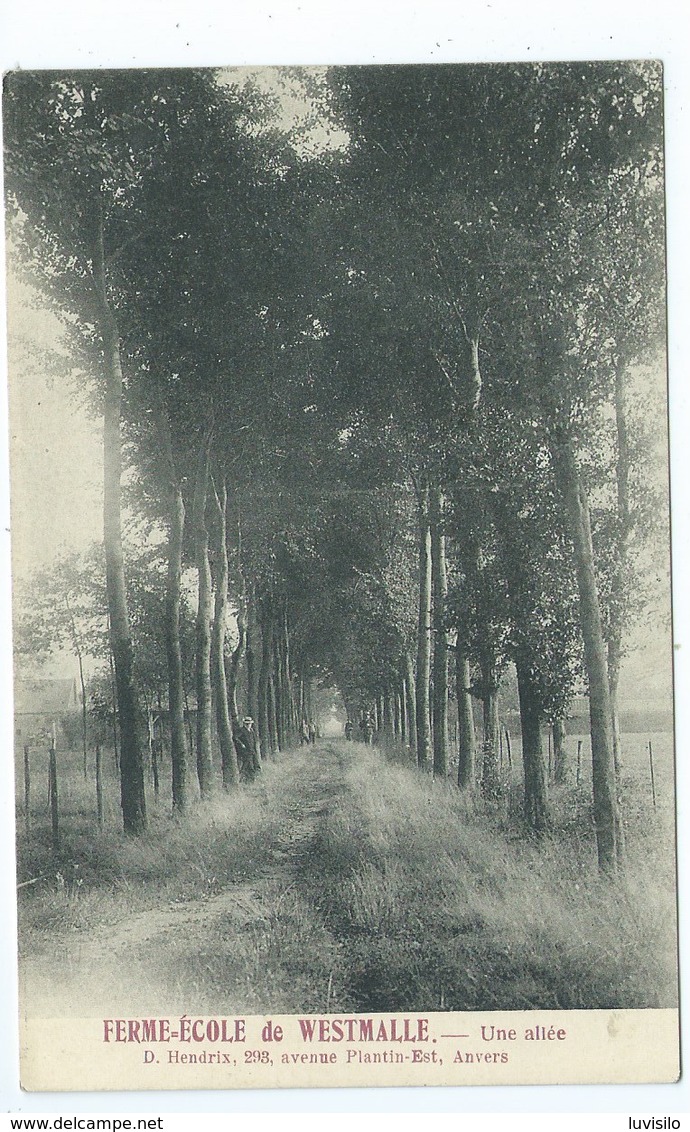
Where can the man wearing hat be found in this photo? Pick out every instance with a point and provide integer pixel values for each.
(247, 756)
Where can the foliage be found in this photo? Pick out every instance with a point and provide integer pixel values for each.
(445, 295)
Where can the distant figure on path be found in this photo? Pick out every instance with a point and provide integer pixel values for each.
(349, 728)
(312, 731)
(245, 742)
(366, 728)
(304, 734)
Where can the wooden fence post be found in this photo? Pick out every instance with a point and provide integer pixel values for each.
(508, 747)
(99, 786)
(651, 773)
(154, 768)
(579, 761)
(53, 793)
(27, 789)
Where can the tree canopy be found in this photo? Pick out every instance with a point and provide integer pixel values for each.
(372, 393)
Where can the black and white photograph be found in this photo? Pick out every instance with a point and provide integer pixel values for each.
(343, 684)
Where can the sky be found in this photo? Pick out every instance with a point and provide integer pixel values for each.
(56, 446)
(294, 110)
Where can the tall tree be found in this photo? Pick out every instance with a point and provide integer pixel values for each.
(440, 595)
(204, 618)
(179, 752)
(224, 723)
(67, 175)
(423, 713)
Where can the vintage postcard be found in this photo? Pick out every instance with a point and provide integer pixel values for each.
(343, 717)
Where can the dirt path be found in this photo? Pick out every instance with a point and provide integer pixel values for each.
(130, 960)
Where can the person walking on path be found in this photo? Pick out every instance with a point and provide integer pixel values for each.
(245, 742)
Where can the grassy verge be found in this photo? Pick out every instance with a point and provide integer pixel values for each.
(202, 914)
(437, 911)
(343, 882)
(99, 875)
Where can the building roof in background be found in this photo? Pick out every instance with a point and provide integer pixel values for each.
(45, 697)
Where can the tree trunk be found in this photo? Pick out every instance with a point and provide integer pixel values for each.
(307, 698)
(53, 802)
(262, 694)
(161, 728)
(613, 667)
(80, 662)
(251, 656)
(288, 705)
(278, 690)
(154, 759)
(466, 744)
(424, 635)
(440, 592)
(536, 798)
(559, 759)
(395, 712)
(27, 789)
(113, 693)
(232, 677)
(188, 721)
(274, 738)
(179, 753)
(149, 736)
(473, 367)
(411, 704)
(204, 706)
(99, 787)
(132, 789)
(248, 767)
(491, 780)
(225, 724)
(387, 713)
(266, 680)
(618, 587)
(83, 711)
(607, 819)
(301, 704)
